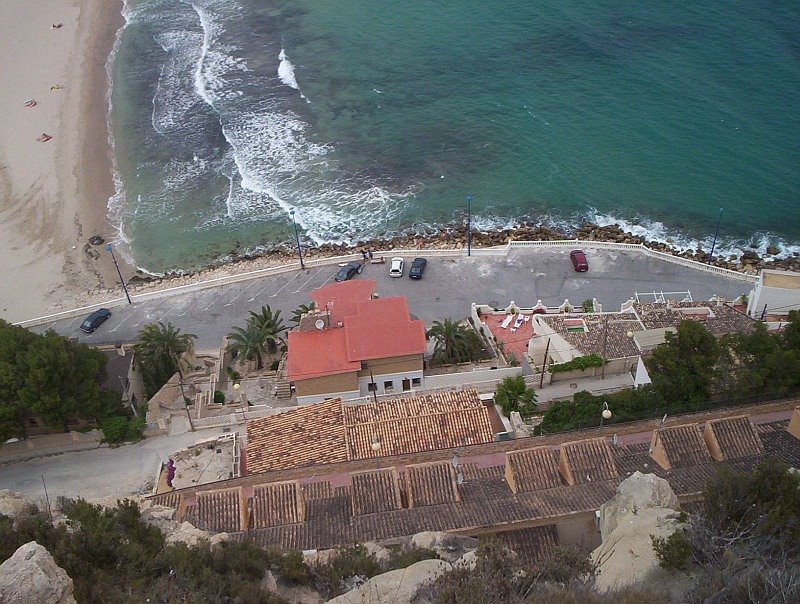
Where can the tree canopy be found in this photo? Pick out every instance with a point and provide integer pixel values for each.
(52, 378)
(513, 394)
(455, 342)
(259, 337)
(158, 352)
(681, 367)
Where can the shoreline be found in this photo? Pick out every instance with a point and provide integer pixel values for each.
(54, 194)
(747, 263)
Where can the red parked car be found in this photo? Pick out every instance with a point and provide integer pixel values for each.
(579, 261)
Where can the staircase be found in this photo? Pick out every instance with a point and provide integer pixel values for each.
(282, 389)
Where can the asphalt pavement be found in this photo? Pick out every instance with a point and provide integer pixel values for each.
(447, 289)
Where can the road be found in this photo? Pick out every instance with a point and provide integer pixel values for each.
(102, 474)
(448, 288)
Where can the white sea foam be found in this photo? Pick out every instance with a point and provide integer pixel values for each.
(286, 73)
(175, 91)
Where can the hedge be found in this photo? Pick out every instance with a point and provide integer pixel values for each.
(578, 363)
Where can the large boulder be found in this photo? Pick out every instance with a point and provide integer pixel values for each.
(12, 504)
(450, 547)
(636, 493)
(191, 535)
(31, 575)
(290, 593)
(644, 506)
(397, 586)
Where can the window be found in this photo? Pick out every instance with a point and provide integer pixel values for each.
(388, 386)
(372, 387)
(406, 385)
(416, 382)
(364, 365)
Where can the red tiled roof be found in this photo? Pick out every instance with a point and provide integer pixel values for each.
(372, 329)
(342, 299)
(330, 432)
(318, 353)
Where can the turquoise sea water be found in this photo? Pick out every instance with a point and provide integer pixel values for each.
(372, 118)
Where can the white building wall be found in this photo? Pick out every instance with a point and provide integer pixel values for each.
(310, 399)
(397, 383)
(642, 377)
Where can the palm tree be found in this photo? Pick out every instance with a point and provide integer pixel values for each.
(250, 342)
(454, 342)
(302, 310)
(158, 352)
(513, 394)
(270, 324)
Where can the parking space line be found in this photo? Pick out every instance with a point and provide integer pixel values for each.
(230, 302)
(214, 301)
(121, 323)
(262, 290)
(309, 279)
(285, 285)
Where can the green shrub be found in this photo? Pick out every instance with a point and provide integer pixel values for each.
(293, 569)
(219, 397)
(274, 365)
(588, 305)
(346, 563)
(406, 557)
(673, 552)
(233, 375)
(578, 364)
(565, 565)
(513, 361)
(119, 429)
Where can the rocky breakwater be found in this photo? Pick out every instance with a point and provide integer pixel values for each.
(749, 261)
(644, 505)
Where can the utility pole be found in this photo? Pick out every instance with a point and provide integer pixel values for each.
(186, 404)
(374, 386)
(605, 341)
(109, 248)
(47, 498)
(469, 225)
(544, 363)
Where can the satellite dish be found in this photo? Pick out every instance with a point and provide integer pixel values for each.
(319, 324)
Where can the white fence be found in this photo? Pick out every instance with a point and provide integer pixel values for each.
(469, 378)
(284, 268)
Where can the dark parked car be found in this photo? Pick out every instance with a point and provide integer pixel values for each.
(348, 271)
(579, 261)
(95, 320)
(417, 268)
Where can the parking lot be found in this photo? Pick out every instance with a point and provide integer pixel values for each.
(447, 289)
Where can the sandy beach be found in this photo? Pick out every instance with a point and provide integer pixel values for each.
(53, 194)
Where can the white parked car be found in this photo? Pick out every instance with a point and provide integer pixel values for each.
(397, 268)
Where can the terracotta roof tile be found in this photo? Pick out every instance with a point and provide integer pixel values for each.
(736, 437)
(218, 511)
(587, 461)
(309, 435)
(331, 431)
(342, 299)
(430, 484)
(318, 353)
(684, 445)
(530, 544)
(277, 503)
(533, 469)
(374, 492)
(422, 423)
(718, 319)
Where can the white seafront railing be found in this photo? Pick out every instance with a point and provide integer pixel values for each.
(333, 260)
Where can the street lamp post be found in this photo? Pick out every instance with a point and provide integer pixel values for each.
(109, 248)
(469, 225)
(605, 414)
(297, 239)
(714, 245)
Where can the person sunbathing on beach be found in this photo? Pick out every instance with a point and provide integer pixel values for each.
(56, 87)
(44, 137)
(30, 103)
(56, 25)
